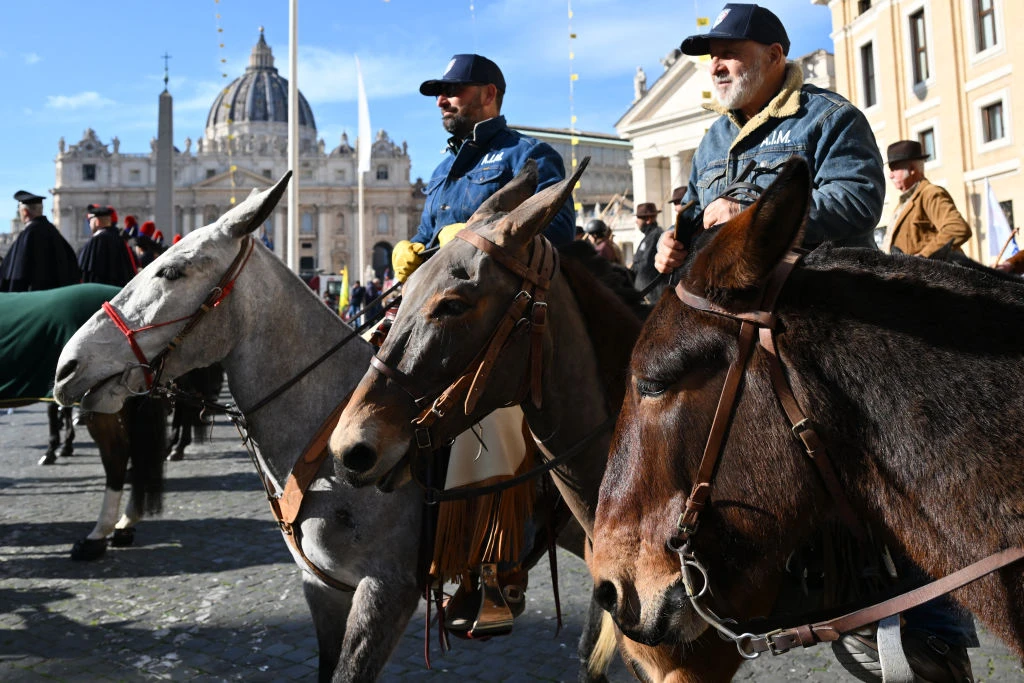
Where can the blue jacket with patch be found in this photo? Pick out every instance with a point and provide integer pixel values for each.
(847, 179)
(484, 163)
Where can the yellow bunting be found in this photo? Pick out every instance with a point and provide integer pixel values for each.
(233, 168)
(571, 55)
(576, 205)
(574, 163)
(703, 21)
(574, 77)
(575, 140)
(572, 35)
(572, 118)
(706, 94)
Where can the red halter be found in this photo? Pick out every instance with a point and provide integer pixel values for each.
(213, 299)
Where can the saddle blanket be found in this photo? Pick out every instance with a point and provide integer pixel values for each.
(34, 327)
(494, 447)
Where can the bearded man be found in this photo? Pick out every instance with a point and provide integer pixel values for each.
(769, 114)
(483, 155)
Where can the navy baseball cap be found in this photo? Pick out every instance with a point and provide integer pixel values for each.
(740, 21)
(466, 70)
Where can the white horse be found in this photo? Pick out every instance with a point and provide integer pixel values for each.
(266, 331)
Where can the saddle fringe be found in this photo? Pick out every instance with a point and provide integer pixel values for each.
(485, 529)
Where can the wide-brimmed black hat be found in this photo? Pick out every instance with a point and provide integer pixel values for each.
(740, 21)
(465, 70)
(678, 194)
(904, 150)
(23, 197)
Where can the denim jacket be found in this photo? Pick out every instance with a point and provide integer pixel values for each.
(483, 164)
(847, 180)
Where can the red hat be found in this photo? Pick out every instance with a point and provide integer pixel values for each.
(113, 215)
(177, 238)
(148, 228)
(158, 237)
(130, 222)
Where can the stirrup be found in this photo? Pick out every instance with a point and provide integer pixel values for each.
(494, 618)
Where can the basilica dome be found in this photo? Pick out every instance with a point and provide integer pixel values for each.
(257, 102)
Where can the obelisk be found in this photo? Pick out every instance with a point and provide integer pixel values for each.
(164, 211)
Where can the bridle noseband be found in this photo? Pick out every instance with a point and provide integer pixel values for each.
(762, 320)
(152, 369)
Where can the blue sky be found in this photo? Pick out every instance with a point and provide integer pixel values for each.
(70, 65)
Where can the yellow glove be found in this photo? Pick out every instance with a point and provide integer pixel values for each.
(448, 233)
(405, 258)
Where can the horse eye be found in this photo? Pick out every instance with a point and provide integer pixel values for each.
(450, 308)
(170, 272)
(650, 388)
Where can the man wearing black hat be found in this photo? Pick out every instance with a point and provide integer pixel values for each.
(644, 272)
(483, 154)
(40, 257)
(767, 115)
(926, 218)
(105, 257)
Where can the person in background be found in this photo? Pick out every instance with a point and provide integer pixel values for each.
(926, 219)
(644, 272)
(105, 258)
(40, 257)
(600, 235)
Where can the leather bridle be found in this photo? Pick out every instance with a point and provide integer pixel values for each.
(526, 312)
(152, 369)
(762, 320)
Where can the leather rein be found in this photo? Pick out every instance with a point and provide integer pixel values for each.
(286, 505)
(757, 327)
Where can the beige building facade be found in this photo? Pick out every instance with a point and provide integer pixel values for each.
(940, 72)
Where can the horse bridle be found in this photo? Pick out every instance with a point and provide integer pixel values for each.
(763, 320)
(527, 311)
(286, 505)
(152, 369)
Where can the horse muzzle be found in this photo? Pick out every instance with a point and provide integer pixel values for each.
(664, 617)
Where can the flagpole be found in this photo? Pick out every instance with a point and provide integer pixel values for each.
(363, 151)
(293, 135)
(1006, 244)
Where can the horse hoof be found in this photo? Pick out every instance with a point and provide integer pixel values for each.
(48, 459)
(66, 453)
(89, 549)
(176, 455)
(123, 538)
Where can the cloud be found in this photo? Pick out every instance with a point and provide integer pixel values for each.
(32, 58)
(83, 100)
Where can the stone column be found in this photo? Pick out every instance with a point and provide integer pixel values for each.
(280, 221)
(324, 241)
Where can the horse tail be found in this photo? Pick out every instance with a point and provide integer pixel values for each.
(604, 648)
(147, 445)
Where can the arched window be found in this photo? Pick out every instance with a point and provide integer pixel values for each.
(383, 224)
(382, 172)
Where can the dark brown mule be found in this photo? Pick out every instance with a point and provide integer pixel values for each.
(450, 308)
(913, 373)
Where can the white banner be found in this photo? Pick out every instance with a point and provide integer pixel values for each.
(364, 141)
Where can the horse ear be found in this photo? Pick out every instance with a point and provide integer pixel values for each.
(747, 248)
(517, 191)
(533, 215)
(256, 208)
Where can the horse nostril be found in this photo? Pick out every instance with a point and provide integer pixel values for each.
(360, 458)
(606, 596)
(66, 370)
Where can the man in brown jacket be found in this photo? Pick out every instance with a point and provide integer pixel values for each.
(926, 218)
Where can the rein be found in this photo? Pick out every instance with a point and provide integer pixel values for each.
(762, 320)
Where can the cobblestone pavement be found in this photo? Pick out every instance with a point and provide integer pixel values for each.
(210, 593)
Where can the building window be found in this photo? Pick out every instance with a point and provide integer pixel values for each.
(267, 173)
(210, 172)
(135, 176)
(867, 67)
(863, 6)
(89, 172)
(306, 228)
(985, 24)
(383, 224)
(1007, 208)
(918, 47)
(992, 122)
(927, 140)
(339, 175)
(382, 173)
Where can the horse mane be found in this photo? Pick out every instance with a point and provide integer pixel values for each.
(613, 312)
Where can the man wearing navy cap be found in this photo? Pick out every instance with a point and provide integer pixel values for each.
(40, 257)
(768, 114)
(105, 257)
(483, 154)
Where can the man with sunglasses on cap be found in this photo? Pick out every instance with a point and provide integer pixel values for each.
(768, 114)
(483, 154)
(40, 257)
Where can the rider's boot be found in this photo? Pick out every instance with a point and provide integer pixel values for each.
(932, 659)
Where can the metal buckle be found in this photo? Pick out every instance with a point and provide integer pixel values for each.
(802, 426)
(423, 439)
(768, 639)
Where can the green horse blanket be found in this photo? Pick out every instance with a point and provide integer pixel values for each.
(34, 327)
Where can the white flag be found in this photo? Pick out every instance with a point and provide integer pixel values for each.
(999, 229)
(363, 142)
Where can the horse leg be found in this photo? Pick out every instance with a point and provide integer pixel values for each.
(112, 440)
(147, 442)
(50, 456)
(65, 420)
(357, 632)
